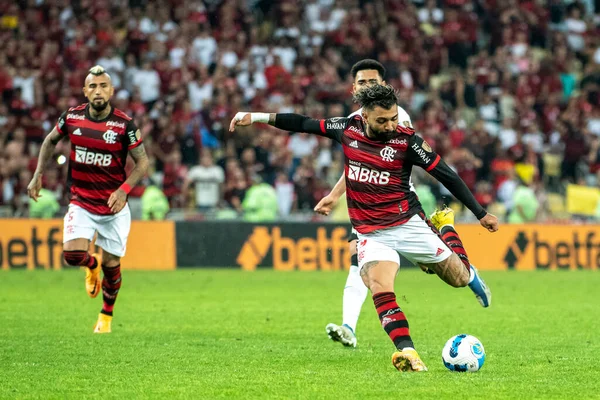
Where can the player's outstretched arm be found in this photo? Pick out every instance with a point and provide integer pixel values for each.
(327, 203)
(46, 151)
(332, 128)
(118, 198)
(288, 122)
(421, 154)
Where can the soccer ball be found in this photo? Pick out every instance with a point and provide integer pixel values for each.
(463, 353)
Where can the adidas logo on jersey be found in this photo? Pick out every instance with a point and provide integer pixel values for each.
(77, 132)
(354, 144)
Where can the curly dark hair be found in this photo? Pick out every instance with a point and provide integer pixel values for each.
(384, 96)
(368, 63)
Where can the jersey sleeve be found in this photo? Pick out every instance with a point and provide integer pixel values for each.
(134, 138)
(420, 153)
(61, 124)
(334, 127)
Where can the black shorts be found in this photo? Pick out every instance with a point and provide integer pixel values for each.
(353, 235)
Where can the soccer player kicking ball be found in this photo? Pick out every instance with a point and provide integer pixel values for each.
(101, 137)
(379, 156)
(364, 73)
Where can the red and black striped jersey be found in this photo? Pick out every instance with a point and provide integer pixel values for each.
(378, 173)
(98, 155)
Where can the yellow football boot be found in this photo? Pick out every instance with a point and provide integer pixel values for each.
(408, 360)
(443, 217)
(103, 324)
(93, 282)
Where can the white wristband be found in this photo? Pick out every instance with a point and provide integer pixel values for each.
(259, 117)
(240, 115)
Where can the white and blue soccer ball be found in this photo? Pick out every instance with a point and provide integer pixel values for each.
(463, 353)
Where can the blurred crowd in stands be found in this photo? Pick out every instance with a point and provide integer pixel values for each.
(507, 91)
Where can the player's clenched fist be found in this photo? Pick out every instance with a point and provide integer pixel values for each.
(34, 187)
(240, 119)
(247, 118)
(489, 222)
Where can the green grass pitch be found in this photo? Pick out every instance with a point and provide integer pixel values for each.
(203, 334)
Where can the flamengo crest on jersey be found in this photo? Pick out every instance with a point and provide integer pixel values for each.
(387, 154)
(110, 137)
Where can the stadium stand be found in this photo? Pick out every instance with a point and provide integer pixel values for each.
(507, 91)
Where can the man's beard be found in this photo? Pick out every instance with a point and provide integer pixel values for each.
(99, 107)
(382, 136)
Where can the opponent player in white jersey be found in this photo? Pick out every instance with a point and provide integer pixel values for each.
(365, 73)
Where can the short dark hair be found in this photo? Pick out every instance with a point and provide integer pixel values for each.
(367, 63)
(384, 96)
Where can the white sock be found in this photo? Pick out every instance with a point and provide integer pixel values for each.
(355, 293)
(471, 274)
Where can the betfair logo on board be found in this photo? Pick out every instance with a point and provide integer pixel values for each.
(267, 246)
(582, 251)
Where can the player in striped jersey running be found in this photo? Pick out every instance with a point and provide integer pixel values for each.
(101, 138)
(382, 208)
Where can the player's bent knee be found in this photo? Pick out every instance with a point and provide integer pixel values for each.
(74, 257)
(110, 260)
(377, 285)
(365, 280)
(380, 275)
(76, 244)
